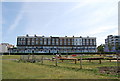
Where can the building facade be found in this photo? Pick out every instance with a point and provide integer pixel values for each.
(112, 43)
(42, 44)
(4, 47)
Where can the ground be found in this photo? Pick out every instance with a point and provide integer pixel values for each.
(12, 69)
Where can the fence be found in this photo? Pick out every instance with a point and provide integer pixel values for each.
(59, 59)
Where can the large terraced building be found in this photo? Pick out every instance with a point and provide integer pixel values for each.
(42, 44)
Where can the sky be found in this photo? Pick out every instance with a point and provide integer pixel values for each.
(93, 18)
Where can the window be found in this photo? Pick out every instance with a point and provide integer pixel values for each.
(68, 41)
(45, 39)
(45, 42)
(40, 41)
(28, 42)
(64, 41)
(37, 42)
(23, 42)
(33, 39)
(19, 43)
(53, 41)
(49, 41)
(60, 41)
(56, 41)
(36, 39)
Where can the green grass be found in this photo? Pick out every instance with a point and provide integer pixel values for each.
(48, 70)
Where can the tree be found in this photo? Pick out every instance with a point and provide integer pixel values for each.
(117, 47)
(100, 48)
(110, 47)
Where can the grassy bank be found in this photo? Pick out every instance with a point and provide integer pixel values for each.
(65, 70)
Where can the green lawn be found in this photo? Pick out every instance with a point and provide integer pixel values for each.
(65, 70)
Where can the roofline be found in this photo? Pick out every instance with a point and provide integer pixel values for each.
(50, 37)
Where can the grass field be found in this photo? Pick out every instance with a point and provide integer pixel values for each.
(11, 69)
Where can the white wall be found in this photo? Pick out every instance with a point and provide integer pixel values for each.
(3, 48)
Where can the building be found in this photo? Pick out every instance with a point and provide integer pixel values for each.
(4, 47)
(42, 44)
(112, 43)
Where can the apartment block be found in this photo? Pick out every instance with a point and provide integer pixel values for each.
(42, 44)
(112, 43)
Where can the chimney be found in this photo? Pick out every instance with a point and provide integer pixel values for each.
(27, 35)
(35, 35)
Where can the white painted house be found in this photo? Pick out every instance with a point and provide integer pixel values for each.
(4, 47)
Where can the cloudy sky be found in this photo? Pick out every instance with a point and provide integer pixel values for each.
(94, 18)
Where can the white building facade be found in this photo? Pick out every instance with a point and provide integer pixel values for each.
(112, 43)
(42, 44)
(4, 47)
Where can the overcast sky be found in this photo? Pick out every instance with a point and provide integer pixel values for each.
(94, 18)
